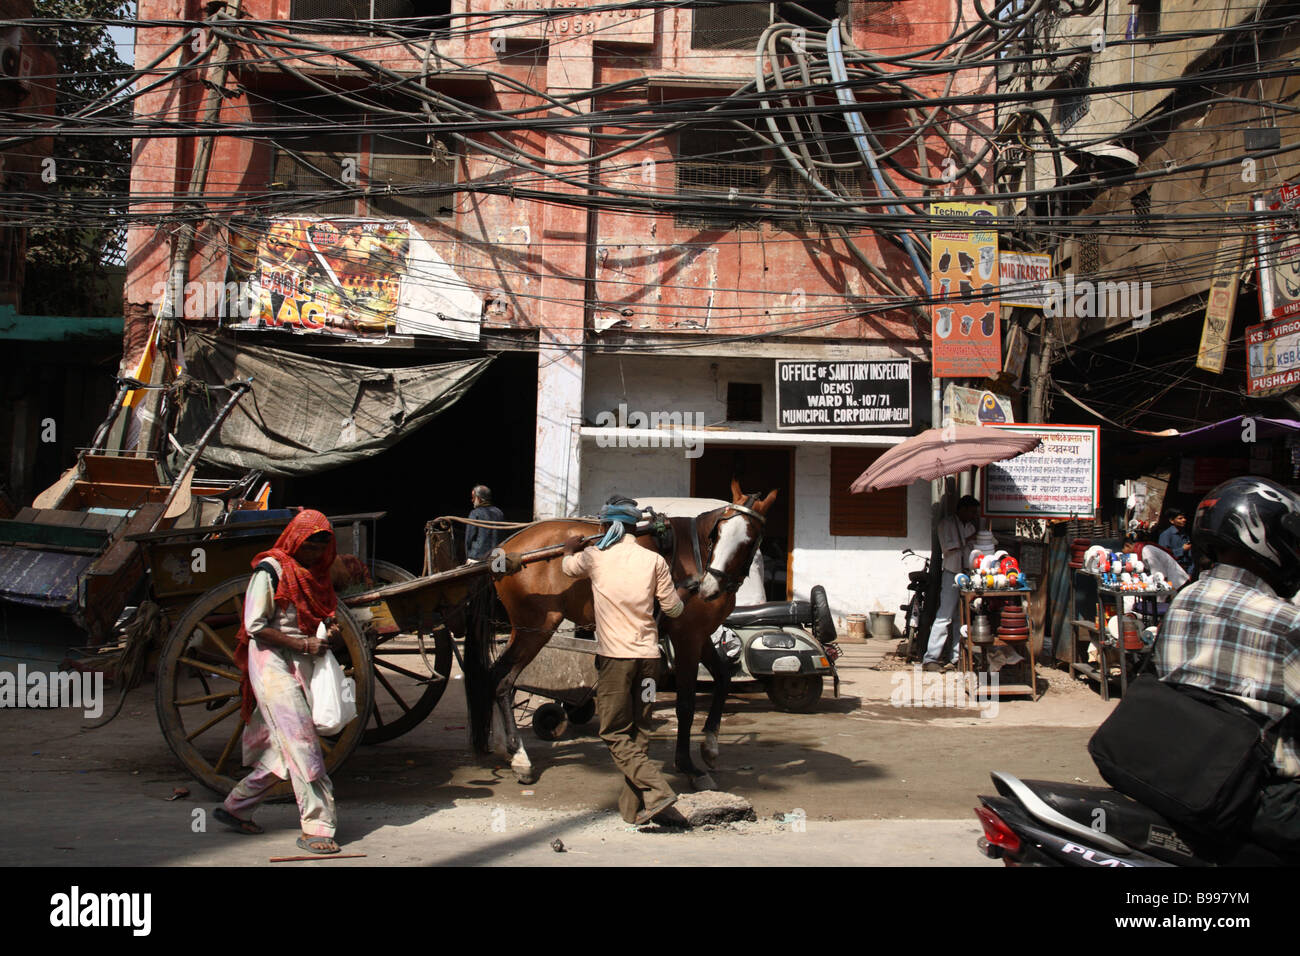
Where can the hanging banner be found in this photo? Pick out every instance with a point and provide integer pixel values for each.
(966, 329)
(1024, 277)
(1222, 300)
(970, 406)
(1058, 479)
(837, 395)
(1277, 256)
(1273, 347)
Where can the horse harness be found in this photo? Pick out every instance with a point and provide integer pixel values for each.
(730, 583)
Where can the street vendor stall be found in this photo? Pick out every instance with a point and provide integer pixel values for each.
(995, 612)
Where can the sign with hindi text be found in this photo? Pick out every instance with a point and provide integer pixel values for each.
(1059, 479)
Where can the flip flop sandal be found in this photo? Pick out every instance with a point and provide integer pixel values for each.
(311, 845)
(247, 827)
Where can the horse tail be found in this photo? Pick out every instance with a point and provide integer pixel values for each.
(479, 690)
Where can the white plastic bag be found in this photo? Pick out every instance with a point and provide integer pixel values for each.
(333, 697)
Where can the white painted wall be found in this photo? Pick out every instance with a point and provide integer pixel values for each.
(859, 574)
(558, 451)
(635, 472)
(676, 384)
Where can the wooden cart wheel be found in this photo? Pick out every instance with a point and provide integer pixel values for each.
(405, 690)
(198, 696)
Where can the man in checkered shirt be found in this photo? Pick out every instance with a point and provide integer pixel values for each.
(1235, 633)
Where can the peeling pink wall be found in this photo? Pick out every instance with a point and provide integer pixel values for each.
(530, 258)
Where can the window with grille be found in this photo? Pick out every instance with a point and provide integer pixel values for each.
(308, 174)
(832, 144)
(814, 14)
(877, 514)
(1141, 203)
(724, 172)
(1089, 254)
(364, 174)
(739, 26)
(736, 26)
(408, 169)
(409, 16)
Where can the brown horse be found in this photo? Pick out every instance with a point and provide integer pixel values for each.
(715, 549)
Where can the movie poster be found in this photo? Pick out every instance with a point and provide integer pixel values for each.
(335, 276)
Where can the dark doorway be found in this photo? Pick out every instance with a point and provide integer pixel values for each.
(758, 470)
(485, 438)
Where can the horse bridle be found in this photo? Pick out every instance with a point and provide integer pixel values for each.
(729, 583)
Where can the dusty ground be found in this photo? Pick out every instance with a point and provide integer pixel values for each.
(873, 782)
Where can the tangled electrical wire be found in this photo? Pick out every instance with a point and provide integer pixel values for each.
(825, 138)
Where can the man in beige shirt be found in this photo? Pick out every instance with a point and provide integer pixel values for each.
(625, 581)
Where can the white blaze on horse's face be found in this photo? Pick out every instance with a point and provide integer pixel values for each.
(734, 537)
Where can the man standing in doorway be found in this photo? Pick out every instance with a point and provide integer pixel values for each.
(480, 541)
(625, 581)
(1177, 542)
(955, 535)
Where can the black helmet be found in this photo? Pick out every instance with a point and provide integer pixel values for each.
(1259, 517)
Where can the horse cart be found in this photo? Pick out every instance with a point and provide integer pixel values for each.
(398, 639)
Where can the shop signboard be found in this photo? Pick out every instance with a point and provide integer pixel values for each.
(965, 324)
(971, 406)
(1024, 277)
(1059, 479)
(1222, 301)
(1277, 249)
(1273, 357)
(822, 396)
(1273, 346)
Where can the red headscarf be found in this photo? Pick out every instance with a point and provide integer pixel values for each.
(308, 589)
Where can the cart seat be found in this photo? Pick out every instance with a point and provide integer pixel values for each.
(775, 614)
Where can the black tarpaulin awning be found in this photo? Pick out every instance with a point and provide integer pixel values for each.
(306, 415)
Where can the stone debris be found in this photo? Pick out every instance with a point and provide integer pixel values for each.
(707, 807)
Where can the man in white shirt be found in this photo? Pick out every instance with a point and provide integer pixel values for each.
(955, 535)
(625, 581)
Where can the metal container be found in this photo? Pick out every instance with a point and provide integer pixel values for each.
(981, 632)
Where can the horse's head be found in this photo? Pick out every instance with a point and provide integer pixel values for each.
(735, 532)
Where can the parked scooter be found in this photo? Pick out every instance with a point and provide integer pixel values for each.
(1043, 823)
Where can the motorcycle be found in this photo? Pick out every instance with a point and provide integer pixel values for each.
(1044, 823)
(914, 637)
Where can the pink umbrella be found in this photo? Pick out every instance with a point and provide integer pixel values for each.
(940, 452)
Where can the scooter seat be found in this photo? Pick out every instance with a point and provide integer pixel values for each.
(918, 576)
(1128, 821)
(776, 614)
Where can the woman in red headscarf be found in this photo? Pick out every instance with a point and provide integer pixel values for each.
(289, 596)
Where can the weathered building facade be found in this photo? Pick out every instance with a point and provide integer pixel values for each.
(616, 191)
(1160, 124)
